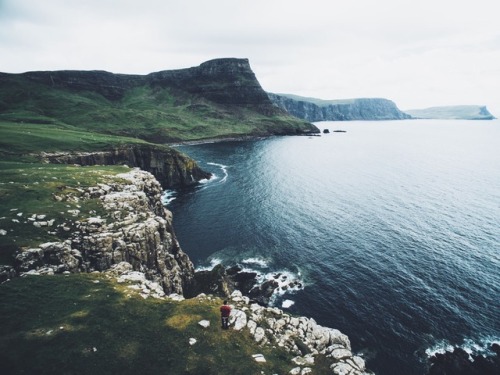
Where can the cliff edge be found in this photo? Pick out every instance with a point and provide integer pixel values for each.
(137, 229)
(218, 99)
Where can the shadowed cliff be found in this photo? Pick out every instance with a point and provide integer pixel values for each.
(220, 98)
(311, 109)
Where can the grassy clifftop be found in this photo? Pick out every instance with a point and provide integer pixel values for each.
(90, 324)
(220, 98)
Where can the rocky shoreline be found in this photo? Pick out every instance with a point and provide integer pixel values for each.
(135, 243)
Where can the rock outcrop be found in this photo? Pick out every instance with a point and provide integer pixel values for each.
(298, 335)
(313, 110)
(138, 230)
(228, 81)
(171, 168)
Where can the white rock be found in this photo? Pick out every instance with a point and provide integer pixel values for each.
(306, 370)
(236, 294)
(204, 323)
(359, 363)
(192, 341)
(238, 319)
(341, 368)
(251, 326)
(295, 371)
(341, 353)
(3, 232)
(308, 359)
(259, 358)
(176, 297)
(259, 334)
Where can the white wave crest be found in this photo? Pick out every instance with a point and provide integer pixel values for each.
(223, 169)
(257, 261)
(471, 347)
(286, 304)
(213, 262)
(168, 196)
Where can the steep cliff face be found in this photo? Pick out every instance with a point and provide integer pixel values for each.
(338, 110)
(171, 168)
(219, 98)
(137, 230)
(225, 81)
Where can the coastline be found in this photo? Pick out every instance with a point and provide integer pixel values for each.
(236, 139)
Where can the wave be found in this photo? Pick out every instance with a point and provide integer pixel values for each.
(263, 263)
(213, 262)
(223, 169)
(472, 347)
(168, 196)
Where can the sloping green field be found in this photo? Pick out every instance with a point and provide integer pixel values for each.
(89, 324)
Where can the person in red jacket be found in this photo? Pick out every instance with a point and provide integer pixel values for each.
(225, 311)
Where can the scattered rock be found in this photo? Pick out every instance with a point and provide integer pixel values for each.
(204, 323)
(259, 358)
(238, 319)
(192, 341)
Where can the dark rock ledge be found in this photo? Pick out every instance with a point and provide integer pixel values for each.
(170, 167)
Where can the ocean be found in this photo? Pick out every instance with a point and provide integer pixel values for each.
(391, 227)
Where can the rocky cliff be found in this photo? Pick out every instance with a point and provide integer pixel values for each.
(134, 242)
(458, 112)
(137, 229)
(171, 168)
(313, 110)
(219, 98)
(227, 81)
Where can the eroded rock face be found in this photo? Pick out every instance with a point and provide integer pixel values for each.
(138, 231)
(355, 109)
(298, 335)
(170, 167)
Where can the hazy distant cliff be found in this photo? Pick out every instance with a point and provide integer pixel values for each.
(311, 109)
(457, 112)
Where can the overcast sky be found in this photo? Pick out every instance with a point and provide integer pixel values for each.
(418, 53)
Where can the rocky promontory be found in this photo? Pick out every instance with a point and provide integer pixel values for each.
(311, 109)
(137, 230)
(134, 243)
(171, 168)
(457, 112)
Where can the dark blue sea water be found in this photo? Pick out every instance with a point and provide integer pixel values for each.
(393, 227)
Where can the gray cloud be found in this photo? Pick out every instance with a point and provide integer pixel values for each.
(416, 53)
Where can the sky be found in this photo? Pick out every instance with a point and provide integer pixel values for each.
(417, 53)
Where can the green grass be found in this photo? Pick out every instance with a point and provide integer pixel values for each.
(157, 115)
(19, 139)
(51, 324)
(28, 189)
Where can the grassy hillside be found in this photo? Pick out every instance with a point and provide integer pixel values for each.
(89, 324)
(142, 107)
